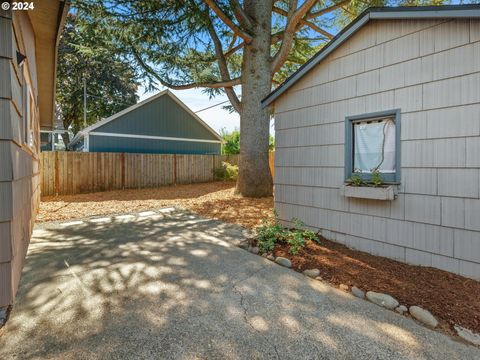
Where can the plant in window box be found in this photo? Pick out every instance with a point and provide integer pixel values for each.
(377, 179)
(375, 188)
(356, 179)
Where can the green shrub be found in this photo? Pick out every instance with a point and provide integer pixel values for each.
(226, 172)
(271, 232)
(307, 234)
(268, 234)
(231, 140)
(296, 241)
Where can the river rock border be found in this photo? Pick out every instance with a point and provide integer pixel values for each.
(387, 301)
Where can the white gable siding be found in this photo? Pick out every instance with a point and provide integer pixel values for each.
(430, 69)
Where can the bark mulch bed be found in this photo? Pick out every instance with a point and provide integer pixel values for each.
(452, 299)
(214, 199)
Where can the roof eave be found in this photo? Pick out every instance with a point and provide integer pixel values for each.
(47, 28)
(76, 138)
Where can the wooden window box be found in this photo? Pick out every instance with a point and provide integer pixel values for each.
(385, 192)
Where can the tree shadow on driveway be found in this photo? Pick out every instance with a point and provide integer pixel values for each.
(176, 286)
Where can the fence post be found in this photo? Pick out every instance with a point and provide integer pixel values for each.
(174, 169)
(213, 166)
(57, 174)
(123, 170)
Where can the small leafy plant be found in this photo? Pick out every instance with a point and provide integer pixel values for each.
(356, 179)
(268, 234)
(377, 179)
(296, 242)
(307, 234)
(271, 232)
(226, 172)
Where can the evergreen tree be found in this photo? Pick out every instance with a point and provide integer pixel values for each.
(85, 53)
(235, 47)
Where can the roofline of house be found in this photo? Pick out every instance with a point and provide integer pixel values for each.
(187, 109)
(47, 25)
(374, 13)
(90, 128)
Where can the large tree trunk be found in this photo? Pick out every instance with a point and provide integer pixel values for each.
(66, 139)
(254, 178)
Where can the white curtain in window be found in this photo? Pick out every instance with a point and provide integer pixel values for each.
(374, 146)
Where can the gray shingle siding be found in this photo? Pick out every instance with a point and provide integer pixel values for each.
(429, 69)
(99, 143)
(163, 116)
(160, 117)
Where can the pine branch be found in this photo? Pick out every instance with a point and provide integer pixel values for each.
(316, 14)
(222, 65)
(212, 85)
(241, 16)
(305, 23)
(293, 19)
(227, 21)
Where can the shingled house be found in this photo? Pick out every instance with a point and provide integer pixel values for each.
(161, 124)
(28, 45)
(395, 94)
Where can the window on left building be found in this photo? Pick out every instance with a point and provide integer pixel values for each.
(29, 125)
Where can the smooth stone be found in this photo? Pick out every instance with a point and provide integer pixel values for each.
(384, 300)
(254, 249)
(3, 315)
(283, 261)
(358, 293)
(344, 287)
(401, 309)
(244, 245)
(467, 335)
(248, 233)
(271, 257)
(319, 278)
(424, 316)
(313, 273)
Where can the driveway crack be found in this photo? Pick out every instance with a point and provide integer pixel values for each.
(244, 307)
(248, 276)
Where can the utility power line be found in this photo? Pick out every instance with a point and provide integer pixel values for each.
(212, 106)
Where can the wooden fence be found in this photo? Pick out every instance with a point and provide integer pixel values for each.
(67, 173)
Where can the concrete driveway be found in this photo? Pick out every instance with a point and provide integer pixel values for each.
(174, 286)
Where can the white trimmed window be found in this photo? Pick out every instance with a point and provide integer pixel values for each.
(29, 129)
(373, 143)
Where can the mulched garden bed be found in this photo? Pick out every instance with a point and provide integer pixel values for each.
(452, 299)
(216, 200)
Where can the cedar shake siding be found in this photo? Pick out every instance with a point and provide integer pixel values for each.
(20, 113)
(428, 69)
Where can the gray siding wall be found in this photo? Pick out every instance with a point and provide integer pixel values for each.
(160, 117)
(431, 71)
(19, 166)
